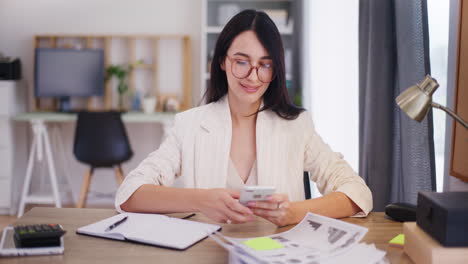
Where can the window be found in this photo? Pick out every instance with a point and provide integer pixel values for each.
(332, 79)
(332, 75)
(438, 20)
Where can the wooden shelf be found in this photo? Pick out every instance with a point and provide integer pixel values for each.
(216, 30)
(143, 66)
(206, 76)
(131, 46)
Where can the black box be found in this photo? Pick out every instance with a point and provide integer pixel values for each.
(444, 216)
(10, 70)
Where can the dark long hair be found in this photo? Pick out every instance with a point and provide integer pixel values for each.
(276, 96)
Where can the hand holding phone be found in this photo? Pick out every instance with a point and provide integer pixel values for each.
(256, 193)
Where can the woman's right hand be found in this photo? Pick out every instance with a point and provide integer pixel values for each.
(221, 206)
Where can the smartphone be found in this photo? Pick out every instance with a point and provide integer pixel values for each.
(256, 193)
(8, 248)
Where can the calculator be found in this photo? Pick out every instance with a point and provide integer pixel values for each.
(38, 235)
(14, 242)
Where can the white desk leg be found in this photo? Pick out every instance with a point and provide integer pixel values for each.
(56, 133)
(27, 179)
(37, 129)
(40, 137)
(53, 176)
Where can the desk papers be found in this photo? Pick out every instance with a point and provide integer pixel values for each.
(316, 239)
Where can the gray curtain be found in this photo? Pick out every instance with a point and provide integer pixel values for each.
(297, 47)
(396, 153)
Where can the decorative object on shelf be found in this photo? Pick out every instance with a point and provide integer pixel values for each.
(149, 104)
(288, 61)
(136, 101)
(295, 97)
(171, 103)
(121, 73)
(10, 68)
(226, 12)
(210, 59)
(144, 61)
(279, 16)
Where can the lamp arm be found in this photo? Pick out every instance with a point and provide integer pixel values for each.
(450, 113)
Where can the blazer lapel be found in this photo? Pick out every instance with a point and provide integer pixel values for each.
(264, 135)
(212, 146)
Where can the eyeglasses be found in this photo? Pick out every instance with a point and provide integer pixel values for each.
(241, 68)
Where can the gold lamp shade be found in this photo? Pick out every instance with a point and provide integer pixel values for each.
(416, 100)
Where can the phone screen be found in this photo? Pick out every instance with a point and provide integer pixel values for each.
(256, 193)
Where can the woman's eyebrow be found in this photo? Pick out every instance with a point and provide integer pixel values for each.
(245, 55)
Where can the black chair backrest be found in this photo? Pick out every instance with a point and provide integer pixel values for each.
(101, 139)
(307, 185)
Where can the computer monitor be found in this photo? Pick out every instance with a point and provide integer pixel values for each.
(65, 73)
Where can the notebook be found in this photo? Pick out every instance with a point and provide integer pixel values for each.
(152, 229)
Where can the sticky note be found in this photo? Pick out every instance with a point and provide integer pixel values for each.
(263, 243)
(398, 241)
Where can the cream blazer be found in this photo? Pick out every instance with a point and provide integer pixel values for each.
(197, 148)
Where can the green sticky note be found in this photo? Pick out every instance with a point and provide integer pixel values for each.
(398, 240)
(262, 243)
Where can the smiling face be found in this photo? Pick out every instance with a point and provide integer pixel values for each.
(246, 84)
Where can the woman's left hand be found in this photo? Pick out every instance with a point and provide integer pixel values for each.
(277, 209)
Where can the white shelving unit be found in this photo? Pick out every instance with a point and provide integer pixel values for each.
(216, 30)
(212, 27)
(10, 105)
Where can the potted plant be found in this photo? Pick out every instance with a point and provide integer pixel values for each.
(120, 72)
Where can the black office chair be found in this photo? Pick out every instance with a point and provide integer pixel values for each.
(101, 142)
(307, 185)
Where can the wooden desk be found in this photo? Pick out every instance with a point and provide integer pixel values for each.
(85, 249)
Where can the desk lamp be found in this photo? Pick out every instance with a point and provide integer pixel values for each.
(415, 102)
(417, 99)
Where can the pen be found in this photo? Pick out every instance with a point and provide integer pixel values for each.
(114, 225)
(188, 216)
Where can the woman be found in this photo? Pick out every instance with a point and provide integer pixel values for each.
(249, 133)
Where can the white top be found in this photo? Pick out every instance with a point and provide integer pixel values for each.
(235, 182)
(197, 151)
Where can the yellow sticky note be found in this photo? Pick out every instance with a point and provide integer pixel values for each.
(398, 241)
(262, 243)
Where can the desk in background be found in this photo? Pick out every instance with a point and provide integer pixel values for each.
(128, 117)
(85, 249)
(41, 146)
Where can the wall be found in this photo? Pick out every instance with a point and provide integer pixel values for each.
(452, 183)
(21, 19)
